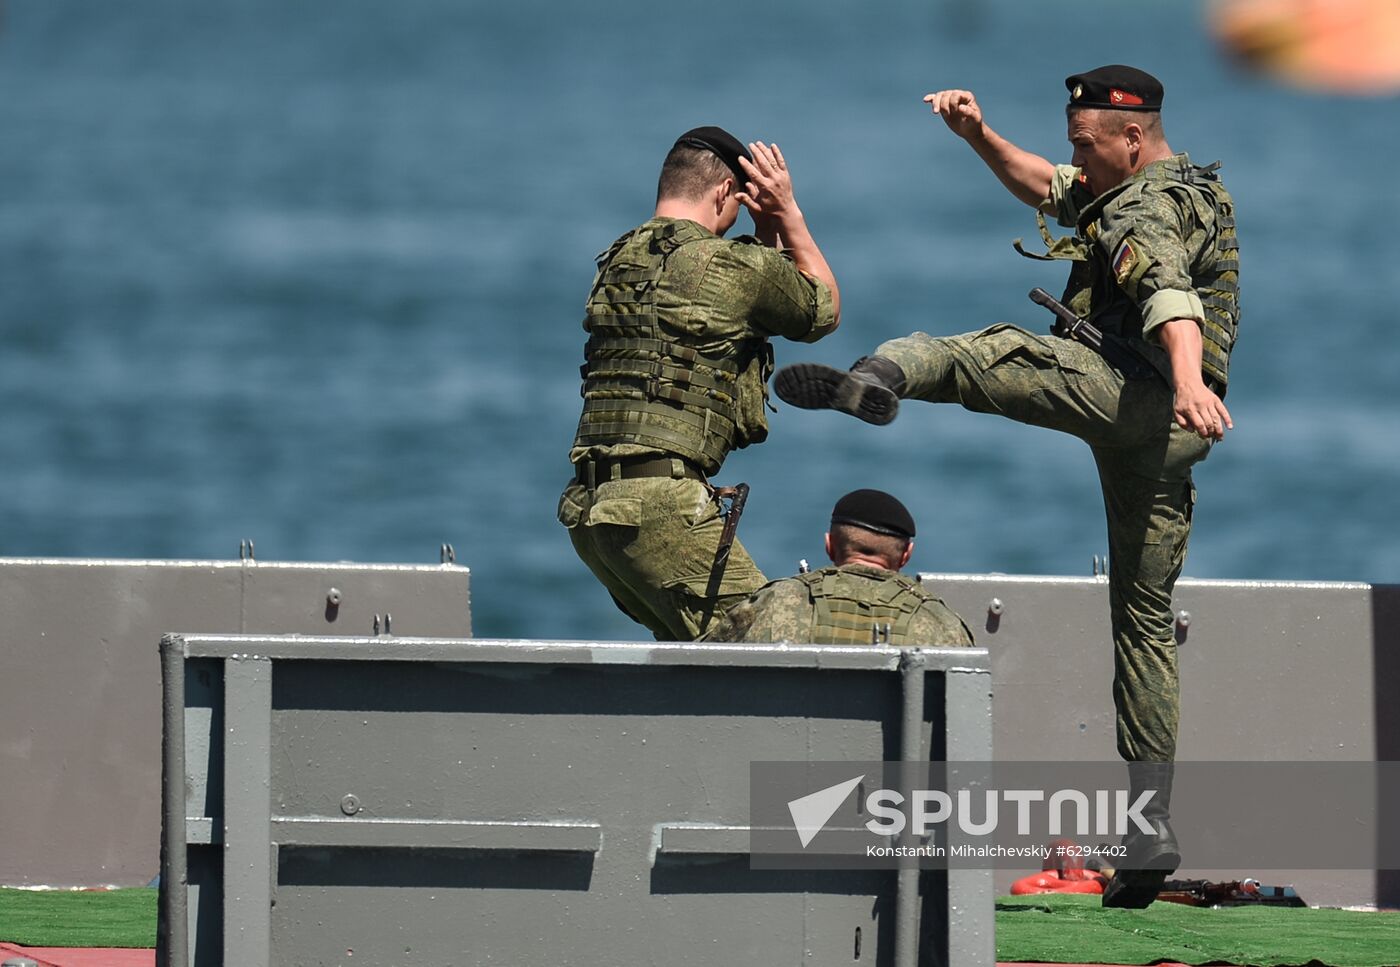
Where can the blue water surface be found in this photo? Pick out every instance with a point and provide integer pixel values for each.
(312, 273)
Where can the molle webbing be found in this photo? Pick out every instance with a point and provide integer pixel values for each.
(840, 617)
(641, 386)
(1219, 287)
(1215, 272)
(647, 359)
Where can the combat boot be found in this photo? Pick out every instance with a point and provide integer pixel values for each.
(1148, 859)
(869, 390)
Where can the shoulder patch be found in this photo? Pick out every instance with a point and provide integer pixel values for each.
(1125, 259)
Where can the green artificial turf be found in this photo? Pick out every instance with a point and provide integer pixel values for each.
(1077, 929)
(1064, 929)
(66, 918)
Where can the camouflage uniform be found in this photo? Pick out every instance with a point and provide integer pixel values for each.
(1158, 247)
(842, 605)
(678, 363)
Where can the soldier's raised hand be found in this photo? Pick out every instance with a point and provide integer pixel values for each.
(958, 109)
(776, 218)
(769, 191)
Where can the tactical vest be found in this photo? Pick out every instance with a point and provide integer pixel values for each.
(650, 384)
(1092, 292)
(850, 609)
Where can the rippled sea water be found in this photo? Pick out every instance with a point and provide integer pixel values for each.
(313, 274)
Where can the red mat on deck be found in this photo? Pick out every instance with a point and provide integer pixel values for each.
(81, 956)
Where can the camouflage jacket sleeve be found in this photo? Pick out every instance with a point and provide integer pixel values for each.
(781, 299)
(1068, 196)
(938, 625)
(1148, 238)
(777, 612)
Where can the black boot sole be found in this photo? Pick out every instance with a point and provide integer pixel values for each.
(815, 386)
(1134, 889)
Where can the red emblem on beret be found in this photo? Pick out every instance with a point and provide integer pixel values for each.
(1123, 97)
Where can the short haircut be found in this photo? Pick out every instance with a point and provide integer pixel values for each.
(689, 172)
(1111, 121)
(848, 539)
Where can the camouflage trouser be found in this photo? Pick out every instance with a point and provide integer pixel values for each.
(1144, 461)
(652, 542)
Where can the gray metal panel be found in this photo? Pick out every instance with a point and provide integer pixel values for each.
(80, 691)
(175, 803)
(405, 772)
(1280, 671)
(1270, 670)
(971, 920)
(247, 814)
(912, 748)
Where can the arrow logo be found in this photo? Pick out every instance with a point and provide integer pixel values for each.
(811, 812)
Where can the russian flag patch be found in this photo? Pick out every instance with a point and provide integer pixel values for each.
(1125, 259)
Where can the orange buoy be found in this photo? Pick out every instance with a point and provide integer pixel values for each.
(1347, 46)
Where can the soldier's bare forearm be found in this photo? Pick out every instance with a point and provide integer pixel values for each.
(1197, 408)
(1025, 175)
(1181, 338)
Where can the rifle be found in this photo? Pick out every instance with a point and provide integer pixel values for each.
(1069, 326)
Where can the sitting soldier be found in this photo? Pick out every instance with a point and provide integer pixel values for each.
(861, 599)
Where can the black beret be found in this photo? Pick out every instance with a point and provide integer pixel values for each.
(1115, 87)
(722, 143)
(875, 511)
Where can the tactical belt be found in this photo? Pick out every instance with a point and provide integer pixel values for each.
(590, 473)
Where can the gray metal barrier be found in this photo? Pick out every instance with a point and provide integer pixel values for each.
(80, 685)
(1270, 670)
(540, 803)
(1283, 671)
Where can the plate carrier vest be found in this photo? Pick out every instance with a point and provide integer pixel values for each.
(841, 617)
(654, 387)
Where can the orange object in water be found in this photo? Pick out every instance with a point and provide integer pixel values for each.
(1050, 882)
(1349, 46)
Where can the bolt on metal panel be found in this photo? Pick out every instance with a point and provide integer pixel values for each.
(482, 802)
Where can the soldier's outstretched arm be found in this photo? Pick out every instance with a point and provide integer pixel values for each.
(1025, 175)
(769, 198)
